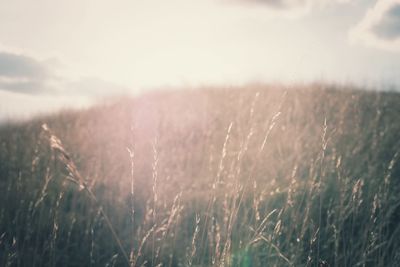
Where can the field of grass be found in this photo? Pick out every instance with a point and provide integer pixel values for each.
(252, 176)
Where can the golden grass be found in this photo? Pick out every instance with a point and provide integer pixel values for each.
(258, 176)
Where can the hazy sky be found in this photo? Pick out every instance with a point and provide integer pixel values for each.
(68, 52)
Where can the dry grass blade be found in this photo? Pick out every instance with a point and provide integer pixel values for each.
(75, 176)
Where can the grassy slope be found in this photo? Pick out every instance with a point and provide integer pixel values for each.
(234, 177)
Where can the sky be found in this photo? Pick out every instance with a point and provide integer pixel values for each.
(70, 53)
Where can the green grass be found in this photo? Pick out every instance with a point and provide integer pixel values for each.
(252, 176)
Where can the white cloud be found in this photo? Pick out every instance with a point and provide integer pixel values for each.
(380, 27)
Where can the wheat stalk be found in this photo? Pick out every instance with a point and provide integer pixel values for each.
(75, 176)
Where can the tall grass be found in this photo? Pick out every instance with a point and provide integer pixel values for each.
(257, 176)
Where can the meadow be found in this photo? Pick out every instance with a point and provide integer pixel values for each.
(249, 176)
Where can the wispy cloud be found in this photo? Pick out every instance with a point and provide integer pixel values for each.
(23, 74)
(380, 27)
(281, 5)
(20, 66)
(287, 9)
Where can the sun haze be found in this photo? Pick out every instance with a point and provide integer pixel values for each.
(221, 133)
(88, 49)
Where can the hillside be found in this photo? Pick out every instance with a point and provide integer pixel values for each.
(252, 176)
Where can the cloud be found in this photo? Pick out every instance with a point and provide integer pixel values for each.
(23, 74)
(289, 8)
(20, 65)
(380, 27)
(389, 26)
(292, 4)
(281, 4)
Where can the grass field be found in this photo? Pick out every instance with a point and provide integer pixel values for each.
(251, 176)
